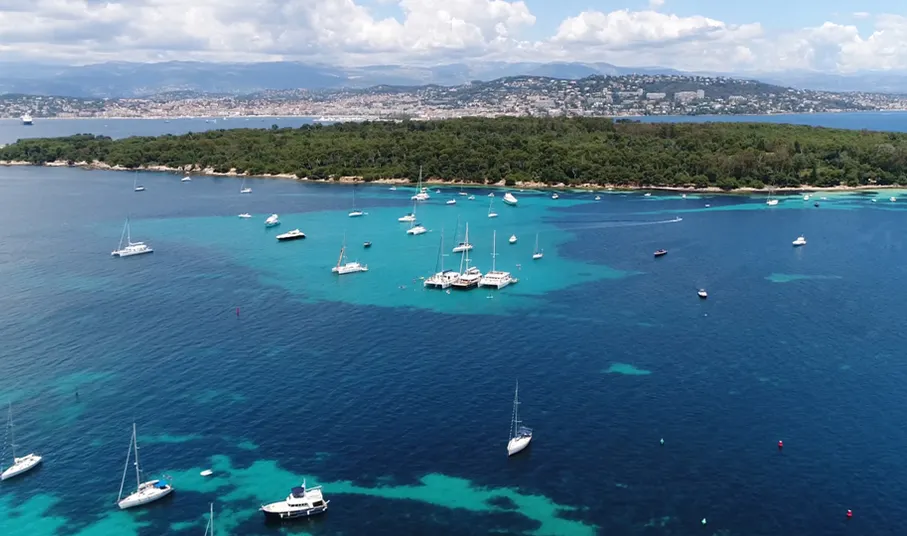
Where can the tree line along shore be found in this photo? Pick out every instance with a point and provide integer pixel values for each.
(553, 151)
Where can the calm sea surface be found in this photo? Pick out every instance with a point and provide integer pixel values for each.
(236, 353)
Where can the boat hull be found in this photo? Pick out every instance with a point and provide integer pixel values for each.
(22, 465)
(122, 253)
(290, 238)
(517, 445)
(145, 496)
(287, 515)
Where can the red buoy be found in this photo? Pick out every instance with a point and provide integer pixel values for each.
(849, 514)
(780, 445)
(237, 311)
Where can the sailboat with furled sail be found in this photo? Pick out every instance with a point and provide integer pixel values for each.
(520, 436)
(145, 492)
(209, 528)
(343, 268)
(20, 464)
(441, 279)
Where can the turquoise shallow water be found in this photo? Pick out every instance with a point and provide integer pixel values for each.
(397, 400)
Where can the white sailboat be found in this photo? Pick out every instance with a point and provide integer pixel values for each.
(537, 253)
(135, 183)
(491, 212)
(355, 213)
(771, 200)
(441, 279)
(462, 245)
(409, 217)
(187, 178)
(520, 436)
(129, 248)
(145, 492)
(422, 194)
(495, 278)
(209, 528)
(468, 277)
(347, 267)
(243, 189)
(21, 464)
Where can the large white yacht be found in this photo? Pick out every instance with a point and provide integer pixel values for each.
(468, 277)
(27, 120)
(128, 248)
(20, 464)
(295, 234)
(510, 199)
(494, 278)
(272, 221)
(145, 492)
(301, 502)
(800, 241)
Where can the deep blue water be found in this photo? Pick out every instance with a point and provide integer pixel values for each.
(398, 400)
(12, 129)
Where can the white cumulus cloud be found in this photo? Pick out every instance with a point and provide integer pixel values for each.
(352, 32)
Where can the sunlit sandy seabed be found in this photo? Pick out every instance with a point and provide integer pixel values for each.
(396, 261)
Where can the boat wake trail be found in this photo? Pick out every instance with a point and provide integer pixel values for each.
(609, 224)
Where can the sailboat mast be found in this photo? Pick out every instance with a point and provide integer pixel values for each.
(466, 251)
(516, 408)
(536, 242)
(212, 519)
(138, 470)
(126, 467)
(494, 250)
(12, 435)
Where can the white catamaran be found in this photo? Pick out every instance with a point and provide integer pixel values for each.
(20, 465)
(347, 267)
(130, 248)
(422, 194)
(145, 492)
(520, 436)
(441, 279)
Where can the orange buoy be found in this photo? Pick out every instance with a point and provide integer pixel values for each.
(849, 514)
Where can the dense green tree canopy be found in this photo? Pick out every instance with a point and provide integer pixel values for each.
(558, 150)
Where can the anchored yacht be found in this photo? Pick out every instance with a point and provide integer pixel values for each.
(441, 279)
(295, 234)
(347, 267)
(509, 199)
(494, 278)
(145, 492)
(27, 120)
(800, 241)
(20, 464)
(301, 502)
(272, 221)
(128, 248)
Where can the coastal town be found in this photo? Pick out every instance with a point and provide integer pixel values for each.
(596, 96)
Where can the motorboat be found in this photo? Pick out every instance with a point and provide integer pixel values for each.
(702, 293)
(468, 279)
(139, 189)
(496, 278)
(520, 436)
(892, 199)
(452, 202)
(27, 120)
(800, 241)
(510, 199)
(187, 178)
(128, 248)
(437, 191)
(491, 194)
(356, 213)
(301, 502)
(512, 239)
(661, 252)
(245, 215)
(771, 202)
(295, 234)
(806, 197)
(554, 196)
(145, 492)
(21, 464)
(816, 204)
(598, 198)
(647, 194)
(471, 198)
(366, 245)
(272, 221)
(393, 188)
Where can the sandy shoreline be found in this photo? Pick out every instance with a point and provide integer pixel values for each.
(100, 166)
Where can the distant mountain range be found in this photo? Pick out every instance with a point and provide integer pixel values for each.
(126, 79)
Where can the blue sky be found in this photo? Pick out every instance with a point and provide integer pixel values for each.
(694, 35)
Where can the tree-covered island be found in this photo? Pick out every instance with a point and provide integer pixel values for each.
(553, 151)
